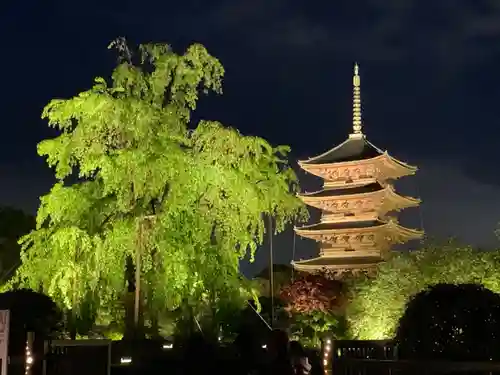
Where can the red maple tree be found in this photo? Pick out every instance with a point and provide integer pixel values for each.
(313, 292)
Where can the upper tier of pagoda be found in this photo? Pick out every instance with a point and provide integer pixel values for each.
(356, 160)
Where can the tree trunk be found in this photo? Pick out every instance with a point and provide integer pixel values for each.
(139, 252)
(155, 327)
(72, 324)
(73, 329)
(137, 304)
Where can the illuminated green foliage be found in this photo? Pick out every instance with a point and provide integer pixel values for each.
(315, 304)
(193, 199)
(379, 303)
(312, 327)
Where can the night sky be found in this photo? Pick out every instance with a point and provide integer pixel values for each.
(429, 82)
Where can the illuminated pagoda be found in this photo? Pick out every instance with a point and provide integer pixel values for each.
(358, 203)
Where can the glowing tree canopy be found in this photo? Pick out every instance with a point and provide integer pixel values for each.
(378, 303)
(191, 198)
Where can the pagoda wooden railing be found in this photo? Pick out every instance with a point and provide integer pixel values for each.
(380, 358)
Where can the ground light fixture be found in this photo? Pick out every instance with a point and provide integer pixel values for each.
(327, 353)
(125, 360)
(29, 358)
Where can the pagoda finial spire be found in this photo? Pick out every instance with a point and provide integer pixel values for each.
(356, 103)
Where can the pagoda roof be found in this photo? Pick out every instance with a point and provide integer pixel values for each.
(355, 149)
(310, 231)
(343, 225)
(359, 189)
(337, 262)
(352, 149)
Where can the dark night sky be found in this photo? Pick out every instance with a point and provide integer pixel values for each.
(430, 86)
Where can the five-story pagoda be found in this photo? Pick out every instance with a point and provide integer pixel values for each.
(358, 202)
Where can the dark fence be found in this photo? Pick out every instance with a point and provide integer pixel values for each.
(80, 357)
(359, 349)
(104, 357)
(381, 358)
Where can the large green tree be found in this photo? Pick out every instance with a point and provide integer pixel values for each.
(379, 302)
(181, 202)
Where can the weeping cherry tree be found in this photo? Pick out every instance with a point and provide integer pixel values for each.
(138, 183)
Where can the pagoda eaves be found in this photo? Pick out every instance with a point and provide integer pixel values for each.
(345, 233)
(372, 197)
(366, 264)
